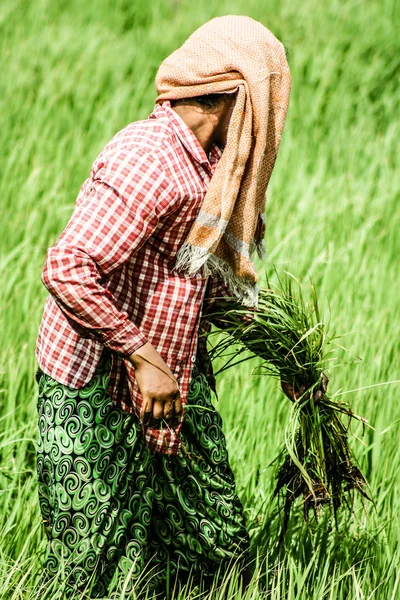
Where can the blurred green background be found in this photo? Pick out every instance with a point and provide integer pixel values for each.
(72, 74)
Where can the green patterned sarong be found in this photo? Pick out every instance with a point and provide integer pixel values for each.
(114, 511)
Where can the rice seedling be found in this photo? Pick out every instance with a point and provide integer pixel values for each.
(288, 334)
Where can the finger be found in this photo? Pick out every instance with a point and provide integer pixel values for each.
(299, 392)
(178, 407)
(317, 396)
(324, 383)
(288, 390)
(158, 410)
(147, 411)
(169, 410)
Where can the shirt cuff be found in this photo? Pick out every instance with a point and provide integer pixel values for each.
(126, 339)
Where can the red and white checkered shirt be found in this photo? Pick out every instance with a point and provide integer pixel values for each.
(111, 274)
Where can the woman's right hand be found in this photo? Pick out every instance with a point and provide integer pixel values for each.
(158, 386)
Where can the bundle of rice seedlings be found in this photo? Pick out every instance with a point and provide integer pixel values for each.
(287, 333)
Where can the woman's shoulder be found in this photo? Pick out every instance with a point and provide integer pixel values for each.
(142, 137)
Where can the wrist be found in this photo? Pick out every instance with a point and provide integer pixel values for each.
(135, 358)
(146, 354)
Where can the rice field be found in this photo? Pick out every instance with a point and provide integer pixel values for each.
(74, 73)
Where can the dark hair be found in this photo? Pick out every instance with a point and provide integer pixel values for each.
(207, 101)
(210, 101)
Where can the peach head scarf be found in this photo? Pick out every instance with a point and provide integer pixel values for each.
(227, 54)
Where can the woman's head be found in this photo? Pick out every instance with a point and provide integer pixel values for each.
(232, 54)
(227, 55)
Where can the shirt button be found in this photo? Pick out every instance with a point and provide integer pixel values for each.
(193, 358)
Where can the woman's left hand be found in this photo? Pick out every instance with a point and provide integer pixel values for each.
(294, 394)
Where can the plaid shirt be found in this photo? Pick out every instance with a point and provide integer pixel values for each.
(111, 273)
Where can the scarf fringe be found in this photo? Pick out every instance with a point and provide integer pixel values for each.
(191, 259)
(258, 247)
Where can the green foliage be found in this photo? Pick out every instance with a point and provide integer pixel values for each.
(285, 331)
(74, 73)
(288, 334)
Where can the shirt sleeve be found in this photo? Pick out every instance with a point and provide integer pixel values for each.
(119, 211)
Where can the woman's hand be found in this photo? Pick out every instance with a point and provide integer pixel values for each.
(158, 386)
(294, 394)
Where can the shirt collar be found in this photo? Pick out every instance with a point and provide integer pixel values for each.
(187, 137)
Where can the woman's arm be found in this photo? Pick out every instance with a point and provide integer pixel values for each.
(120, 211)
(118, 214)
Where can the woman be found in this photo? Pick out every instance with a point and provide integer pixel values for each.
(134, 478)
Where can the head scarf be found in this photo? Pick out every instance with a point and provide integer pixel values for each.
(227, 54)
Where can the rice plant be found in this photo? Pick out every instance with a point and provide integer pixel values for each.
(288, 334)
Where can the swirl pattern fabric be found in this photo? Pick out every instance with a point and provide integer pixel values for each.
(113, 510)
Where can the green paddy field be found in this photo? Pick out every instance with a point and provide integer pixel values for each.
(72, 74)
